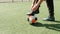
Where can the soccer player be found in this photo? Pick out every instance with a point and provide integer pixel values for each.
(35, 8)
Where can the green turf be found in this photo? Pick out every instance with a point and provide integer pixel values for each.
(13, 19)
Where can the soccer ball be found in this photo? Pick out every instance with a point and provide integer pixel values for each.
(32, 19)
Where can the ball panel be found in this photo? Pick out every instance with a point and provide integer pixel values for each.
(33, 21)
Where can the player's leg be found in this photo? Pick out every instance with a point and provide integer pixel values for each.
(50, 6)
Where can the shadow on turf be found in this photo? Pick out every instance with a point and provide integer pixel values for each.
(49, 26)
(56, 21)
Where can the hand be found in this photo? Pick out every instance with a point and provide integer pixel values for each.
(32, 5)
(34, 8)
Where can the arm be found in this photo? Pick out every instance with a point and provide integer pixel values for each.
(34, 8)
(33, 2)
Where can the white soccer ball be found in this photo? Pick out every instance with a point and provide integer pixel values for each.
(32, 19)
